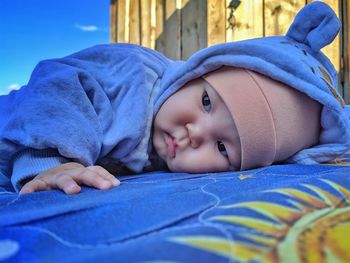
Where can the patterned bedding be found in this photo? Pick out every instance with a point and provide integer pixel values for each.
(282, 213)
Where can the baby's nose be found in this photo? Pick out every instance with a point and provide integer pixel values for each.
(196, 134)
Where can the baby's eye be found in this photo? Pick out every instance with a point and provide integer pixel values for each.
(222, 148)
(206, 102)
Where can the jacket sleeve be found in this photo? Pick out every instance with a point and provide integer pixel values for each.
(74, 108)
(30, 162)
(52, 120)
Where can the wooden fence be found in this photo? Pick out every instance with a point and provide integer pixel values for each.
(178, 28)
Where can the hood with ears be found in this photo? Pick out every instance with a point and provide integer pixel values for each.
(295, 60)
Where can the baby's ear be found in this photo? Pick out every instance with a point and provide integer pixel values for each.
(316, 25)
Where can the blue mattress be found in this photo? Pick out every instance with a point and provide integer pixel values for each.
(282, 213)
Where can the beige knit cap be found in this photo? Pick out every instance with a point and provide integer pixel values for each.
(273, 120)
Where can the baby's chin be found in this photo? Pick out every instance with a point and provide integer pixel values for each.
(176, 168)
(180, 167)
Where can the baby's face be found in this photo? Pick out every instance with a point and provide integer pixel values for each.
(194, 131)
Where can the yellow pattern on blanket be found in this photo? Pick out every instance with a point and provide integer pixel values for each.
(313, 226)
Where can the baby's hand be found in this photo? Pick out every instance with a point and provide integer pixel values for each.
(68, 177)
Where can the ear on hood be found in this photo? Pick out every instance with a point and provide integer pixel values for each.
(316, 25)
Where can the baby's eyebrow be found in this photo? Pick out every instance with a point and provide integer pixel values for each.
(207, 84)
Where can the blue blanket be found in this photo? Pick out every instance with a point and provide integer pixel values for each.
(283, 212)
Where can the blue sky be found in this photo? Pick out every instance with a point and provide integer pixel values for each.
(33, 30)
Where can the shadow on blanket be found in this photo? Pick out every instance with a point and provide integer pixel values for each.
(281, 213)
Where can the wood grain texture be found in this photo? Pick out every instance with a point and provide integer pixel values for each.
(193, 27)
(172, 30)
(279, 15)
(146, 23)
(216, 21)
(122, 17)
(135, 22)
(113, 9)
(153, 23)
(246, 22)
(160, 21)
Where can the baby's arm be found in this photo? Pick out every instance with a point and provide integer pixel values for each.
(68, 177)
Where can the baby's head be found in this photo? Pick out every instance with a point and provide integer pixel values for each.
(194, 131)
(233, 119)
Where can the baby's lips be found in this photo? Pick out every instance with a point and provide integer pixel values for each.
(170, 141)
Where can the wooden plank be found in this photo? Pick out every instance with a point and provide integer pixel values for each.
(172, 29)
(121, 21)
(127, 21)
(160, 20)
(216, 21)
(146, 23)
(193, 27)
(153, 24)
(135, 22)
(113, 20)
(279, 15)
(246, 21)
(160, 12)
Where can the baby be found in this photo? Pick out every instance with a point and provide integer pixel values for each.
(123, 108)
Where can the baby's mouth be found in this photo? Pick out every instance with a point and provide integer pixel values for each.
(170, 141)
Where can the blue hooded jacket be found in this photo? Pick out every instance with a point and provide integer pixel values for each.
(97, 105)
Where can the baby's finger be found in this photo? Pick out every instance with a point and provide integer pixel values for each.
(67, 184)
(105, 174)
(34, 186)
(93, 179)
